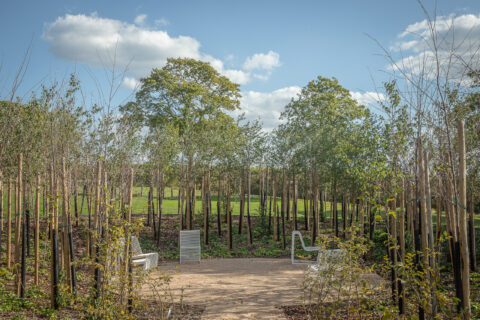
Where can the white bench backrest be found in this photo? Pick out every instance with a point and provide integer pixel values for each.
(189, 245)
(299, 234)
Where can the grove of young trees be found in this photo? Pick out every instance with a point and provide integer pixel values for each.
(407, 173)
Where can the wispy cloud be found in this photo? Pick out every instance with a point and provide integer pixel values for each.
(454, 42)
(140, 19)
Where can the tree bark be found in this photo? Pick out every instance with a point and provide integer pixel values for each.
(462, 219)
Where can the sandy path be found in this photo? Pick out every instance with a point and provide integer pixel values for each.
(248, 288)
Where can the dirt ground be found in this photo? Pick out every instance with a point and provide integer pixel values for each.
(244, 288)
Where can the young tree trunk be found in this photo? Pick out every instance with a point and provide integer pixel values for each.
(361, 222)
(75, 197)
(295, 204)
(209, 196)
(287, 197)
(18, 224)
(344, 214)
(275, 213)
(160, 193)
(1, 211)
(334, 210)
(242, 202)
(219, 207)
(322, 208)
(188, 198)
(261, 191)
(284, 206)
(183, 210)
(37, 228)
(428, 197)
(438, 207)
(249, 221)
(270, 210)
(229, 217)
(462, 219)
(150, 203)
(205, 209)
(471, 235)
(305, 204)
(65, 246)
(9, 223)
(194, 201)
(97, 271)
(393, 247)
(401, 239)
(423, 204)
(313, 206)
(54, 244)
(128, 277)
(453, 233)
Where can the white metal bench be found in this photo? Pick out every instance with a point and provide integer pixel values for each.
(189, 245)
(299, 234)
(140, 259)
(137, 254)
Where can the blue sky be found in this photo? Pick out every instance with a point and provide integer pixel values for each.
(271, 47)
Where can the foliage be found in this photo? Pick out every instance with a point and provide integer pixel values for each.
(341, 281)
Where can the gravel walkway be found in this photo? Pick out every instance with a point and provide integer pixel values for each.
(250, 288)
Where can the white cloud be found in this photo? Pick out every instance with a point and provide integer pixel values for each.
(262, 61)
(367, 98)
(140, 19)
(237, 76)
(457, 44)
(267, 106)
(93, 40)
(162, 22)
(131, 83)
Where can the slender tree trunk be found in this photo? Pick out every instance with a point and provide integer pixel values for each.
(1, 211)
(335, 211)
(242, 203)
(204, 210)
(270, 209)
(401, 237)
(19, 218)
(275, 213)
(284, 206)
(295, 204)
(54, 244)
(160, 193)
(462, 220)
(428, 196)
(219, 207)
(287, 197)
(150, 203)
(97, 271)
(9, 223)
(229, 217)
(75, 197)
(305, 204)
(249, 221)
(65, 246)
(471, 229)
(37, 228)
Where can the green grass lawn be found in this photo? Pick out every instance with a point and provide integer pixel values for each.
(170, 204)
